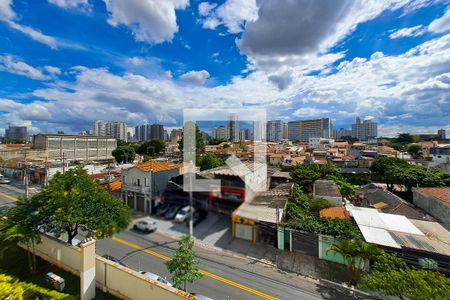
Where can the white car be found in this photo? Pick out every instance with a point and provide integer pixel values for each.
(155, 277)
(145, 226)
(4, 180)
(183, 214)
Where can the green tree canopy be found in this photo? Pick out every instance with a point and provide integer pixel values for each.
(183, 266)
(216, 141)
(209, 161)
(124, 154)
(122, 143)
(21, 225)
(305, 175)
(153, 147)
(73, 200)
(415, 150)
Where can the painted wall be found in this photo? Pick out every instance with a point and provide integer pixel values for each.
(438, 209)
(110, 277)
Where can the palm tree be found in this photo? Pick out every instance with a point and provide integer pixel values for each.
(355, 253)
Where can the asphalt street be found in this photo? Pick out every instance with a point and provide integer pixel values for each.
(225, 276)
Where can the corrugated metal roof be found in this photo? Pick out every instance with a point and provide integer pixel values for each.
(378, 236)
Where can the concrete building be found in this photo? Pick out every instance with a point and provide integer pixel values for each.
(99, 128)
(221, 133)
(294, 131)
(338, 134)
(176, 135)
(441, 134)
(320, 143)
(365, 130)
(75, 147)
(259, 131)
(144, 183)
(156, 132)
(274, 131)
(435, 201)
(328, 190)
(440, 158)
(233, 125)
(117, 130)
(285, 131)
(16, 133)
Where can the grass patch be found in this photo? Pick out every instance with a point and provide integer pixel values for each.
(14, 262)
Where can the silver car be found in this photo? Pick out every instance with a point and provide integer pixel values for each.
(155, 277)
(145, 226)
(4, 180)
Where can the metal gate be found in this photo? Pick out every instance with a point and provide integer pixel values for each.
(244, 231)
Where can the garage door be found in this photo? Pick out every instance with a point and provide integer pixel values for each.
(244, 231)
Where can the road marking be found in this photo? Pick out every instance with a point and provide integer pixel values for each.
(167, 258)
(8, 197)
(206, 273)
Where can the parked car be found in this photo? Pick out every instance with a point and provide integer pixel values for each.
(155, 277)
(199, 215)
(172, 212)
(183, 214)
(4, 208)
(145, 226)
(113, 259)
(4, 181)
(162, 209)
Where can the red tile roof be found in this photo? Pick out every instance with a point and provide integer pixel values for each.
(441, 193)
(334, 213)
(157, 166)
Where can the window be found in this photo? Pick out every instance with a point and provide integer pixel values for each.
(146, 181)
(138, 182)
(124, 180)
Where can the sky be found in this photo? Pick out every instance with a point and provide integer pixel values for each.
(66, 63)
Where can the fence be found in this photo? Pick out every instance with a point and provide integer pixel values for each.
(109, 276)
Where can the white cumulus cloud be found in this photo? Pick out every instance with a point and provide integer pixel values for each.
(198, 77)
(408, 32)
(151, 21)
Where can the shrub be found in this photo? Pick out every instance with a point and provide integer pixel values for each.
(319, 204)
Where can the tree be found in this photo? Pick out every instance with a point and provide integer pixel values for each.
(183, 266)
(199, 142)
(124, 154)
(382, 166)
(153, 147)
(410, 283)
(209, 161)
(355, 253)
(21, 225)
(122, 143)
(415, 150)
(73, 200)
(319, 204)
(305, 175)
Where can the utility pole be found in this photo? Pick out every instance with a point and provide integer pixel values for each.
(25, 174)
(191, 208)
(64, 163)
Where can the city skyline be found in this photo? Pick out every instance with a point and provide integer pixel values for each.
(146, 63)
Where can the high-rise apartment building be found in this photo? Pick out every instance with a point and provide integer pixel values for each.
(274, 131)
(303, 130)
(233, 125)
(338, 134)
(156, 132)
(221, 133)
(441, 134)
(117, 130)
(99, 128)
(259, 131)
(285, 131)
(364, 131)
(176, 134)
(294, 131)
(16, 133)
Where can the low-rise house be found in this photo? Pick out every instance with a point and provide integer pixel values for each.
(144, 183)
(435, 201)
(440, 157)
(328, 190)
(277, 159)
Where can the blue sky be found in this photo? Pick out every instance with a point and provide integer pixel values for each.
(65, 63)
